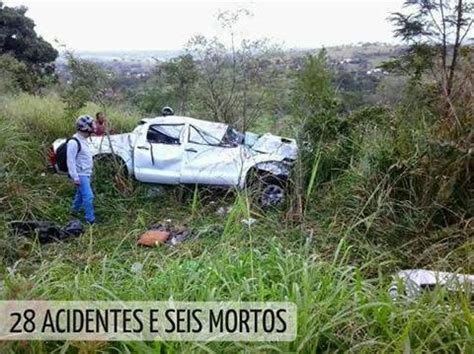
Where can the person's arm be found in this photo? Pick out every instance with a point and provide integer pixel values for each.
(107, 128)
(72, 149)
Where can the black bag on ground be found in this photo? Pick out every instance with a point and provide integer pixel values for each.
(61, 154)
(47, 231)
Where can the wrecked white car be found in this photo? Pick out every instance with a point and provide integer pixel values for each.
(183, 150)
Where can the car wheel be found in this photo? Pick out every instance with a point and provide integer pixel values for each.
(271, 195)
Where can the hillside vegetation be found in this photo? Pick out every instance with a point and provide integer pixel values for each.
(375, 215)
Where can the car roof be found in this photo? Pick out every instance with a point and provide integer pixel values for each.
(215, 129)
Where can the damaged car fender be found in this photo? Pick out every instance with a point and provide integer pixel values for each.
(277, 168)
(119, 145)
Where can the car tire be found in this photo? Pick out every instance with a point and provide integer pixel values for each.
(266, 189)
(271, 195)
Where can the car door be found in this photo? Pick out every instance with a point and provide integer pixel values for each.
(158, 153)
(208, 161)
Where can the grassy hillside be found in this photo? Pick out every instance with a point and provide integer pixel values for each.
(374, 53)
(335, 263)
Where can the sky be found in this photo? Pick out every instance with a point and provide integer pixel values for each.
(157, 25)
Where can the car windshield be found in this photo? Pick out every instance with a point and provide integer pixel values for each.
(232, 137)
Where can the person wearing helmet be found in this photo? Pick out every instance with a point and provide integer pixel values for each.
(79, 164)
(167, 111)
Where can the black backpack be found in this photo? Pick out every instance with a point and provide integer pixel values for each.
(61, 154)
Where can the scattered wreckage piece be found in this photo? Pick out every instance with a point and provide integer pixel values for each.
(415, 281)
(165, 233)
(153, 238)
(182, 150)
(249, 222)
(223, 211)
(47, 231)
(179, 235)
(136, 267)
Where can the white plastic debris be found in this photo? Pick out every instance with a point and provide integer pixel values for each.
(414, 281)
(223, 210)
(249, 221)
(137, 267)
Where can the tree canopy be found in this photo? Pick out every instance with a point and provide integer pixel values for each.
(19, 39)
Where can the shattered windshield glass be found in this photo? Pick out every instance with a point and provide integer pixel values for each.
(232, 137)
(198, 136)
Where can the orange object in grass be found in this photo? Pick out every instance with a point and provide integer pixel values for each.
(153, 238)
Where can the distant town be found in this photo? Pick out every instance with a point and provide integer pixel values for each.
(361, 58)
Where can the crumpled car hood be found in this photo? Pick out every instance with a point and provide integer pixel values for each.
(273, 144)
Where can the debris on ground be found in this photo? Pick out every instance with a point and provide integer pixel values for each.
(309, 237)
(249, 221)
(179, 235)
(47, 231)
(153, 238)
(137, 267)
(416, 281)
(223, 211)
(174, 234)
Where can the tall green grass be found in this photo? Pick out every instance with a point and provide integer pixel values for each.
(45, 119)
(339, 308)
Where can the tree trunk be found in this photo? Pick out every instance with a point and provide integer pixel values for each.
(457, 44)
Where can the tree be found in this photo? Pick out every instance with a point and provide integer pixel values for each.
(14, 75)
(171, 84)
(435, 31)
(19, 39)
(315, 107)
(314, 100)
(87, 82)
(356, 87)
(181, 74)
(233, 79)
